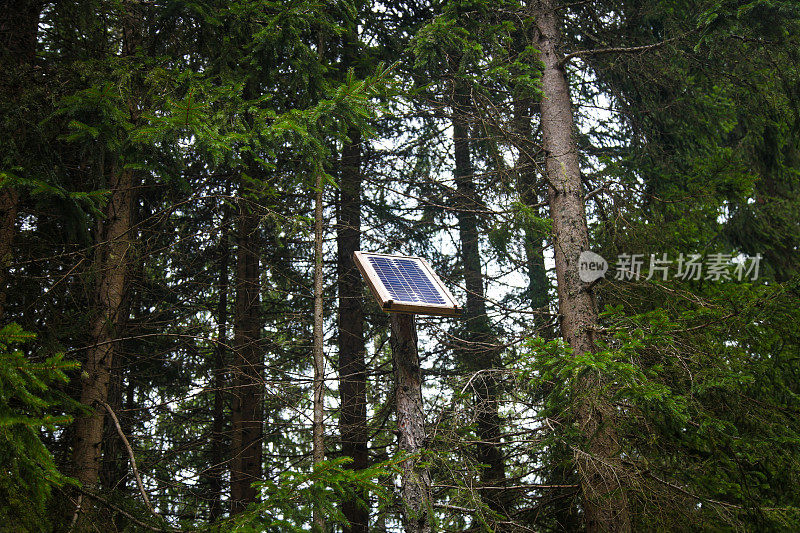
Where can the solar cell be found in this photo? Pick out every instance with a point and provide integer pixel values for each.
(405, 284)
(405, 280)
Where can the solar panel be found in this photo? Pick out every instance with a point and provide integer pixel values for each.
(405, 280)
(405, 284)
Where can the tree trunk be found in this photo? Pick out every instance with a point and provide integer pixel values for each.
(247, 365)
(19, 26)
(478, 351)
(604, 498)
(112, 256)
(114, 470)
(318, 429)
(9, 200)
(416, 489)
(538, 285)
(219, 381)
(111, 264)
(115, 239)
(19, 23)
(352, 366)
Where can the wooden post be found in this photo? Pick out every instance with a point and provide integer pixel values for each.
(416, 482)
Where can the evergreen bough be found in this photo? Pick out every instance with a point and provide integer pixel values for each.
(28, 405)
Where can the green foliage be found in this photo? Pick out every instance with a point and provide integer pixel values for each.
(288, 501)
(27, 406)
(699, 419)
(523, 220)
(471, 41)
(225, 105)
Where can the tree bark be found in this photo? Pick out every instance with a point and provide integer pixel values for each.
(247, 365)
(350, 324)
(111, 265)
(352, 366)
(114, 469)
(112, 256)
(538, 285)
(604, 497)
(19, 24)
(416, 489)
(219, 381)
(477, 351)
(9, 201)
(318, 429)
(19, 27)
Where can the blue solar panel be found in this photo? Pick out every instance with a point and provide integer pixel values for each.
(405, 280)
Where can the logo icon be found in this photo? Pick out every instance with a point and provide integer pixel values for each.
(591, 266)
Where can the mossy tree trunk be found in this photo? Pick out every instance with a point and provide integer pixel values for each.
(604, 497)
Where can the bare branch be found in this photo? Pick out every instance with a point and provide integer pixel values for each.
(596, 191)
(133, 459)
(618, 50)
(122, 511)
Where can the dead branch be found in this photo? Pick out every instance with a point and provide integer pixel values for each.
(132, 458)
(123, 512)
(618, 50)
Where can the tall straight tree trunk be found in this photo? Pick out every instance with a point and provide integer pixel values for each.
(416, 481)
(318, 430)
(111, 264)
(114, 469)
(350, 323)
(352, 366)
(112, 257)
(478, 351)
(604, 498)
(19, 25)
(538, 285)
(219, 381)
(247, 364)
(9, 200)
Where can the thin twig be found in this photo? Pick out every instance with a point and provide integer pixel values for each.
(475, 374)
(618, 50)
(455, 508)
(712, 501)
(123, 512)
(515, 487)
(76, 514)
(596, 191)
(132, 458)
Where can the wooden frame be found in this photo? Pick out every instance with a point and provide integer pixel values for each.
(450, 308)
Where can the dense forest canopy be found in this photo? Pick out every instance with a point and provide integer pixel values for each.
(610, 189)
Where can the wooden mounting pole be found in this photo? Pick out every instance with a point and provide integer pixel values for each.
(416, 481)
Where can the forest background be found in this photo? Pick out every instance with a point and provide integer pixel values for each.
(186, 344)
